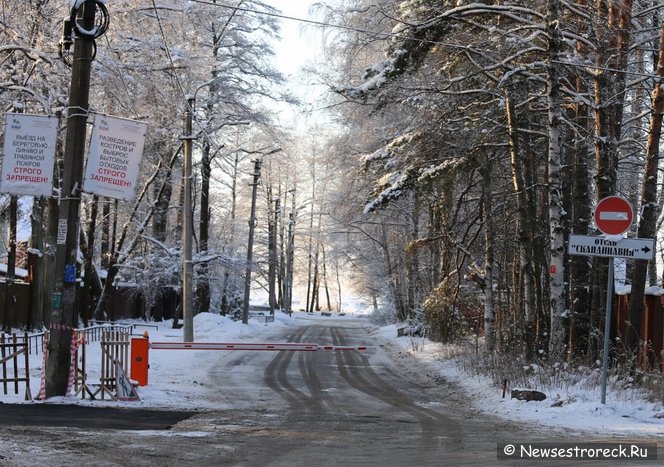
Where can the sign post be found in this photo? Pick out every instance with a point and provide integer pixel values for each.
(613, 217)
(607, 329)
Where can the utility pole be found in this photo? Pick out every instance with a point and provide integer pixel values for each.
(63, 302)
(187, 229)
(272, 252)
(290, 256)
(250, 243)
(288, 281)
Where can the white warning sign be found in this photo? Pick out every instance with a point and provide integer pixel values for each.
(28, 154)
(114, 157)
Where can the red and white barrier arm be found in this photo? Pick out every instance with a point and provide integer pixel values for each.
(232, 346)
(360, 348)
(292, 346)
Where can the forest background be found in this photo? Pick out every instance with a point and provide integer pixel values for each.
(463, 142)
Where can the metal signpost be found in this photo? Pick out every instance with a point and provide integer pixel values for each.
(613, 217)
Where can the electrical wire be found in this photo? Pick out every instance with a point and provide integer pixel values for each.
(168, 51)
(386, 35)
(180, 87)
(177, 78)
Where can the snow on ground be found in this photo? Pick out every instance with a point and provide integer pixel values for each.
(624, 413)
(175, 383)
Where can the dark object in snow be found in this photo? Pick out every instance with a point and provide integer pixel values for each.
(410, 331)
(528, 395)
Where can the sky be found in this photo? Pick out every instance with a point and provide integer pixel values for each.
(296, 46)
(300, 46)
(625, 413)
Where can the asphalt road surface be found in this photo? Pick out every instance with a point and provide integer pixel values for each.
(326, 408)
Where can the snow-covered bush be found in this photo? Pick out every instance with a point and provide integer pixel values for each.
(383, 315)
(448, 312)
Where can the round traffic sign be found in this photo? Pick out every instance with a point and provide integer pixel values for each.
(613, 215)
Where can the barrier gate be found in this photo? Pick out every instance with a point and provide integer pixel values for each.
(140, 350)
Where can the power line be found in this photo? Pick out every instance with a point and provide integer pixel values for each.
(386, 35)
(180, 87)
(168, 50)
(382, 35)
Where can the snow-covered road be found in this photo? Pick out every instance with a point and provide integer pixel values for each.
(325, 408)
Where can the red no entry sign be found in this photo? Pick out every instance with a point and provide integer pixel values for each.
(613, 215)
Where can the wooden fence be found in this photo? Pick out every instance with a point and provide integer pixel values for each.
(651, 331)
(114, 348)
(14, 357)
(15, 351)
(124, 303)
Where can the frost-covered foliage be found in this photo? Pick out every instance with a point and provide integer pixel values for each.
(492, 128)
(450, 314)
(152, 59)
(383, 316)
(561, 380)
(32, 77)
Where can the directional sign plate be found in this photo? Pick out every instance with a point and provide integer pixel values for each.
(634, 248)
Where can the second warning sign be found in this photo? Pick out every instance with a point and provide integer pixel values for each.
(116, 148)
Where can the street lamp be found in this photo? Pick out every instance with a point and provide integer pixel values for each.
(188, 221)
(250, 244)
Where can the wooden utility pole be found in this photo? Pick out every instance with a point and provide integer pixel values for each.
(63, 302)
(272, 251)
(250, 243)
(187, 228)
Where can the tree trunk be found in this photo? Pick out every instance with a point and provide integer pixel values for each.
(393, 279)
(557, 248)
(87, 297)
(649, 206)
(36, 265)
(325, 284)
(10, 299)
(412, 262)
(609, 97)
(315, 289)
(203, 280)
(526, 232)
(579, 266)
(105, 244)
(229, 286)
(489, 259)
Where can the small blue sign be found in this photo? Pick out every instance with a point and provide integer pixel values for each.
(70, 273)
